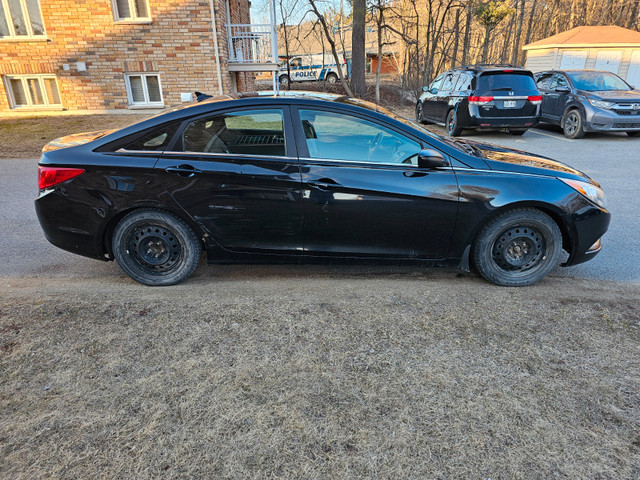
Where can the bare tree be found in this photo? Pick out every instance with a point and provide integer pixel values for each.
(357, 47)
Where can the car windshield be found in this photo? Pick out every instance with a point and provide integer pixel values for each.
(500, 81)
(597, 81)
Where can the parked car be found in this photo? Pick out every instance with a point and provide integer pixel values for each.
(257, 178)
(582, 101)
(312, 68)
(481, 97)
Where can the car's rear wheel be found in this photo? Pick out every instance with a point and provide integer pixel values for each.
(633, 134)
(518, 131)
(572, 124)
(332, 78)
(155, 247)
(517, 247)
(452, 124)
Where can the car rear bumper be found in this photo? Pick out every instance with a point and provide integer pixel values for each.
(503, 122)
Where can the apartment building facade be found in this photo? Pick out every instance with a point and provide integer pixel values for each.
(125, 54)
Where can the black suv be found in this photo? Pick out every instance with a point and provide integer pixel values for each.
(481, 97)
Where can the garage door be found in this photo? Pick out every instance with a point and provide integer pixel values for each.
(609, 60)
(573, 59)
(633, 75)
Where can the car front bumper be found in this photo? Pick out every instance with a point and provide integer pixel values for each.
(601, 120)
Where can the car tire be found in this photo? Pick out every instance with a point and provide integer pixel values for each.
(518, 131)
(573, 124)
(156, 248)
(452, 124)
(633, 134)
(332, 78)
(419, 114)
(518, 247)
(284, 80)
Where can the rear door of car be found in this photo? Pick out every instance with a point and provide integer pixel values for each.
(236, 173)
(443, 96)
(557, 97)
(429, 99)
(363, 193)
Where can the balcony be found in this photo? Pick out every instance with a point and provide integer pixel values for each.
(252, 48)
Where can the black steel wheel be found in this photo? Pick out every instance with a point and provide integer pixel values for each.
(572, 124)
(517, 247)
(155, 247)
(452, 124)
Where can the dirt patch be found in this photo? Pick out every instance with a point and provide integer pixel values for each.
(319, 372)
(24, 137)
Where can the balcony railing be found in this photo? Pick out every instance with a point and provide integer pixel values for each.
(252, 47)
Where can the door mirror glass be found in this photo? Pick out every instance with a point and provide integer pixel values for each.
(430, 158)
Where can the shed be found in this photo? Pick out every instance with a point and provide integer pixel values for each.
(611, 48)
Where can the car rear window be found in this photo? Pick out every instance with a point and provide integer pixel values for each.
(500, 81)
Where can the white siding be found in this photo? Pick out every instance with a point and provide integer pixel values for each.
(540, 60)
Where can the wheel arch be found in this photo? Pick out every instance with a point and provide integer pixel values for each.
(549, 209)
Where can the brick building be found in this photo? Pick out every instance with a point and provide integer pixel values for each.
(121, 54)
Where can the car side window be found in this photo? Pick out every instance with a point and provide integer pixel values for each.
(435, 85)
(558, 81)
(155, 140)
(337, 136)
(463, 83)
(543, 81)
(449, 82)
(247, 132)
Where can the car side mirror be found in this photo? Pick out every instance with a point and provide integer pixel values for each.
(425, 89)
(430, 158)
(563, 89)
(433, 90)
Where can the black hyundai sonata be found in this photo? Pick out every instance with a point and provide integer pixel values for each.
(264, 178)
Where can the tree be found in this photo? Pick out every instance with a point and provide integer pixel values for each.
(490, 14)
(357, 47)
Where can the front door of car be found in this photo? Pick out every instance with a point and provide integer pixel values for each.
(363, 193)
(429, 98)
(236, 173)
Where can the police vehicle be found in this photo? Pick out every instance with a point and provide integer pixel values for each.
(312, 68)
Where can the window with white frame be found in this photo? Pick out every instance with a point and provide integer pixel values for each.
(37, 91)
(130, 10)
(20, 19)
(143, 89)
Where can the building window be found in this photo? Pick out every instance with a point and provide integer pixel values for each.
(143, 89)
(36, 91)
(20, 19)
(130, 10)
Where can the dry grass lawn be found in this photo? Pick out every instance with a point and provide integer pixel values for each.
(319, 373)
(24, 137)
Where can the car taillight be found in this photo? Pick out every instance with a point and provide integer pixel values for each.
(535, 99)
(50, 176)
(473, 100)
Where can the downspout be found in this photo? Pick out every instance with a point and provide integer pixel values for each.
(215, 44)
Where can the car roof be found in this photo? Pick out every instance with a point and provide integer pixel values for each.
(493, 67)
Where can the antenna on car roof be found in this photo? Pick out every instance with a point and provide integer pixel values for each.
(201, 96)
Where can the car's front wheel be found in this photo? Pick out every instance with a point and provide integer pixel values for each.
(419, 113)
(517, 247)
(155, 247)
(284, 80)
(572, 124)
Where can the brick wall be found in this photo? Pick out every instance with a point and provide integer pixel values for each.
(177, 44)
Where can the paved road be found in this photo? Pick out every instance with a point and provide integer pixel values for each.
(613, 160)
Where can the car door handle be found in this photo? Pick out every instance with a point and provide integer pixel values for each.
(324, 184)
(183, 170)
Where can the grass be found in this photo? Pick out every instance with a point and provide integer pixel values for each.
(24, 137)
(319, 372)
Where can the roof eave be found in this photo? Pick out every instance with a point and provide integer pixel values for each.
(581, 45)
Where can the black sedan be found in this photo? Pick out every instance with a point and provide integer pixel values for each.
(258, 178)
